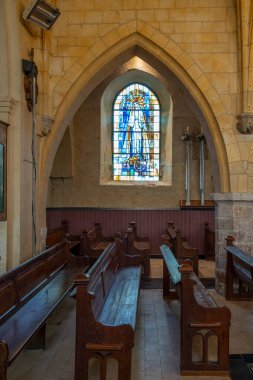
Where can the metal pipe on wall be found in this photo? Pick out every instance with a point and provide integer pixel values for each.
(201, 138)
(188, 174)
(187, 137)
(34, 162)
(30, 85)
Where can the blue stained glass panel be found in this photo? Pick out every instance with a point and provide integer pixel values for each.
(136, 135)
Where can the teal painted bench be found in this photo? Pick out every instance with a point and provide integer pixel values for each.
(201, 319)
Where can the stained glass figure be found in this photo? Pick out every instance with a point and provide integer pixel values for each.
(136, 135)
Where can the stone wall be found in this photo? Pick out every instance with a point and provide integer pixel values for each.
(84, 189)
(197, 40)
(199, 36)
(233, 216)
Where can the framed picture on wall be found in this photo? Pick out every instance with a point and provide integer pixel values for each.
(3, 170)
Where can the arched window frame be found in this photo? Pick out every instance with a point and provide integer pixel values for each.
(137, 166)
(166, 116)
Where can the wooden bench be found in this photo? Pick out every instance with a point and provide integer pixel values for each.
(95, 242)
(138, 247)
(28, 295)
(239, 279)
(107, 298)
(138, 238)
(61, 233)
(209, 242)
(175, 238)
(179, 246)
(201, 319)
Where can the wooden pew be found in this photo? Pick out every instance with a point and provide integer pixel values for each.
(201, 318)
(138, 238)
(61, 233)
(95, 242)
(175, 238)
(138, 247)
(179, 246)
(107, 298)
(29, 294)
(209, 242)
(239, 278)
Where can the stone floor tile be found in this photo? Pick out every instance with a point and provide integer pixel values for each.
(153, 373)
(171, 376)
(156, 354)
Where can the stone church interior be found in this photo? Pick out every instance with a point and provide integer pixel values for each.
(126, 189)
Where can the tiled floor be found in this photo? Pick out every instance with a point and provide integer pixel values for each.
(206, 268)
(156, 351)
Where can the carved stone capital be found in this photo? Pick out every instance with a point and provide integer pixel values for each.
(245, 123)
(46, 124)
(6, 109)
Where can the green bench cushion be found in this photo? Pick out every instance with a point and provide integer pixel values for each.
(171, 263)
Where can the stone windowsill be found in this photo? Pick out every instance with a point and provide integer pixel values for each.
(136, 183)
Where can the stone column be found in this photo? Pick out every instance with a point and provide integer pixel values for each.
(233, 216)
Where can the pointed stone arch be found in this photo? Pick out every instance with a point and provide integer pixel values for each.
(111, 51)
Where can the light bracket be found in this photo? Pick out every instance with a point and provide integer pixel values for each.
(42, 14)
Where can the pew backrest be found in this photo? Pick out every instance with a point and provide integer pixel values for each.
(240, 267)
(176, 239)
(136, 236)
(29, 294)
(101, 276)
(95, 242)
(138, 247)
(179, 245)
(19, 284)
(55, 236)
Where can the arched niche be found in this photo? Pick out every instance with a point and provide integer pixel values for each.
(127, 48)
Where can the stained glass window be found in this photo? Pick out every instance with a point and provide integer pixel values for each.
(136, 135)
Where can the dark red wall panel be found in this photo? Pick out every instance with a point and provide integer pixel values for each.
(150, 223)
